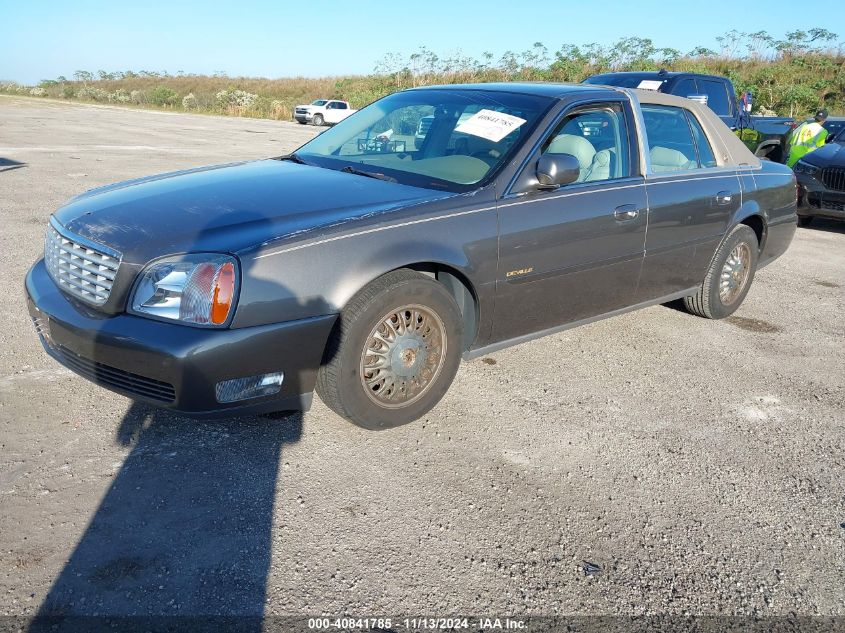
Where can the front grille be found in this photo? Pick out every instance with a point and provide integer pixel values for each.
(119, 379)
(834, 178)
(80, 268)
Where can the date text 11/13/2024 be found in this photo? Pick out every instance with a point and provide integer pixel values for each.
(418, 623)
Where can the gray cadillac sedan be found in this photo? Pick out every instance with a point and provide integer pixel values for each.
(435, 224)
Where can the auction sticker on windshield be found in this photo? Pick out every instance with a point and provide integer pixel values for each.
(489, 124)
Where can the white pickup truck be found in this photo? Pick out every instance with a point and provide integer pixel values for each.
(322, 112)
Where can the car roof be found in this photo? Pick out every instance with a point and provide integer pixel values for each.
(538, 88)
(665, 74)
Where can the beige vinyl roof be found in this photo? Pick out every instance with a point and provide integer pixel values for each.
(729, 150)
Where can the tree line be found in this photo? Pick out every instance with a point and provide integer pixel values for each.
(790, 75)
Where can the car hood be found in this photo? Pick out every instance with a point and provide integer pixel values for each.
(228, 208)
(830, 155)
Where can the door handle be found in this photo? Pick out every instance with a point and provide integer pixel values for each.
(724, 197)
(626, 212)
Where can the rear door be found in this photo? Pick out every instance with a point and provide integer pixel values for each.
(576, 251)
(691, 202)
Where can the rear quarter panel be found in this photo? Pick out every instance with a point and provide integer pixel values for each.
(774, 199)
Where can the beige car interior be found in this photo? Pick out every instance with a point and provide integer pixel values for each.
(594, 165)
(666, 159)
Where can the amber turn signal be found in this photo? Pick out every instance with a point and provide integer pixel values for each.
(224, 292)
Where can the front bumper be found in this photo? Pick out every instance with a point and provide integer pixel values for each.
(176, 366)
(814, 199)
(303, 117)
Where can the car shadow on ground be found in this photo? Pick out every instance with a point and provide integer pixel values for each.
(185, 528)
(7, 164)
(182, 539)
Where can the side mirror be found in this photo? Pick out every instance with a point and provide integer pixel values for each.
(554, 170)
(702, 99)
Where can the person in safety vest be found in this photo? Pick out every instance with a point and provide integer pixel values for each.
(807, 137)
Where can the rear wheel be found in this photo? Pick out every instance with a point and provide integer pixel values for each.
(317, 119)
(729, 276)
(394, 351)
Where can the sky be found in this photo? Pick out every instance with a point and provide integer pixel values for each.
(46, 38)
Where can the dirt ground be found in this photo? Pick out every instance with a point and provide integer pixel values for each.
(654, 463)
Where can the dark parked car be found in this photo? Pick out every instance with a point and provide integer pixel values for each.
(528, 209)
(821, 181)
(834, 125)
(766, 136)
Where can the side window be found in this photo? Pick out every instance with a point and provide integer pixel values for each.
(685, 88)
(671, 147)
(598, 138)
(706, 158)
(340, 105)
(331, 105)
(717, 96)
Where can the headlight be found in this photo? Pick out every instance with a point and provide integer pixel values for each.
(803, 167)
(198, 289)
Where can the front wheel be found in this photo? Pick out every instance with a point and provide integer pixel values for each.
(393, 353)
(729, 277)
(317, 120)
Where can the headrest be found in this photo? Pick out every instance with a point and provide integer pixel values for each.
(578, 146)
(668, 157)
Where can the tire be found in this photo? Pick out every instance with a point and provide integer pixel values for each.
(739, 246)
(317, 120)
(374, 398)
(805, 220)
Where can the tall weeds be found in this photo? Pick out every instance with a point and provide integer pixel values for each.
(791, 76)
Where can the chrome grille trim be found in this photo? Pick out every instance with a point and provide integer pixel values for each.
(80, 267)
(40, 326)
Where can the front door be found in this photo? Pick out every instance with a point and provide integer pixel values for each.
(574, 252)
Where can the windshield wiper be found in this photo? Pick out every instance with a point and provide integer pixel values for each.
(349, 169)
(294, 159)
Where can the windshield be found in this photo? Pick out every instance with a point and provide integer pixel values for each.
(836, 129)
(625, 81)
(319, 102)
(452, 140)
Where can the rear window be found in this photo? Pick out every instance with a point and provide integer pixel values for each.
(717, 96)
(685, 88)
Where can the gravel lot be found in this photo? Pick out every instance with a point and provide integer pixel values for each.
(654, 463)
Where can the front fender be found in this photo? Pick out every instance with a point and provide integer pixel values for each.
(321, 277)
